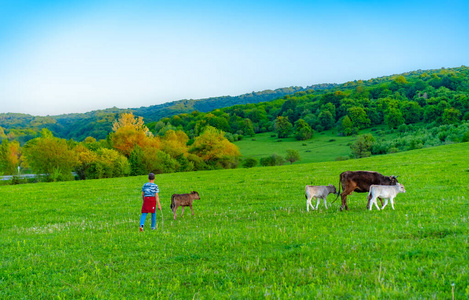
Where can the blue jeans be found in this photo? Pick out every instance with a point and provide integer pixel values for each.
(153, 220)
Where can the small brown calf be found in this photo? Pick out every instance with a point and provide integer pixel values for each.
(183, 200)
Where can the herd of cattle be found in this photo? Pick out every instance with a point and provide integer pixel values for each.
(375, 184)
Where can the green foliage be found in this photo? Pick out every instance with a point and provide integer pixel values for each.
(137, 162)
(347, 127)
(358, 117)
(302, 130)
(215, 150)
(362, 146)
(393, 118)
(50, 156)
(292, 156)
(451, 116)
(282, 127)
(249, 162)
(272, 160)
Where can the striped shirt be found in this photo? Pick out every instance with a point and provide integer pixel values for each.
(150, 189)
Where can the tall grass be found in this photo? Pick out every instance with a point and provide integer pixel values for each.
(250, 237)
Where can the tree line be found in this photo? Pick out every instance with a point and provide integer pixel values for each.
(98, 124)
(438, 97)
(130, 149)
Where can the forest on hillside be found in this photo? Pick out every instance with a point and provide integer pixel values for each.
(98, 124)
(436, 97)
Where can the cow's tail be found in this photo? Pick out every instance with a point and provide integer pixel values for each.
(338, 193)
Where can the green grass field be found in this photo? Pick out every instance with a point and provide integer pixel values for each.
(251, 236)
(324, 146)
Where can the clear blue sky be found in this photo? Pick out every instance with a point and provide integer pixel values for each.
(76, 56)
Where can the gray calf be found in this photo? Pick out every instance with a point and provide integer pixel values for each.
(183, 200)
(318, 192)
(386, 192)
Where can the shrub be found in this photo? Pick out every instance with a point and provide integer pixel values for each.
(362, 146)
(249, 162)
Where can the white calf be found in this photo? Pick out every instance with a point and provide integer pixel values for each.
(386, 192)
(318, 192)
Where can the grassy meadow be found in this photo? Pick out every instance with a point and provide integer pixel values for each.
(250, 237)
(324, 146)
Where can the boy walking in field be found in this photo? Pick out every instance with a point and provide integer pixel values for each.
(150, 199)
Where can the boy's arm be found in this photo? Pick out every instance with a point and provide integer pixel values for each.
(143, 195)
(158, 200)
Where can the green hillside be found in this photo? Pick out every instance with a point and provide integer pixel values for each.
(326, 146)
(98, 123)
(250, 237)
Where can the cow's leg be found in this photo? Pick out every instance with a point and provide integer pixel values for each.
(344, 195)
(392, 203)
(308, 203)
(192, 210)
(375, 201)
(317, 203)
(385, 203)
(182, 211)
(175, 208)
(381, 199)
(325, 202)
(311, 203)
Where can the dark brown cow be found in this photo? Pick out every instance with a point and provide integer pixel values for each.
(360, 182)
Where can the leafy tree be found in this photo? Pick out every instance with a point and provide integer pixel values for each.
(347, 126)
(247, 127)
(358, 117)
(137, 162)
(110, 163)
(128, 132)
(162, 162)
(282, 127)
(431, 114)
(273, 160)
(326, 119)
(85, 159)
(10, 153)
(393, 118)
(249, 162)
(2, 133)
(292, 155)
(362, 146)
(451, 116)
(411, 112)
(302, 130)
(215, 149)
(174, 143)
(50, 156)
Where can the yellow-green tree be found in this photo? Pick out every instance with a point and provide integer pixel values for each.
(110, 163)
(174, 143)
(50, 156)
(85, 159)
(128, 132)
(10, 153)
(215, 149)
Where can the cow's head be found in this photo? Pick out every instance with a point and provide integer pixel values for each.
(392, 180)
(195, 195)
(332, 189)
